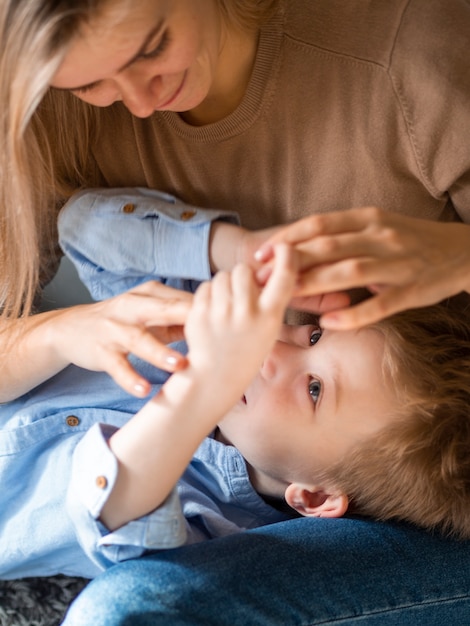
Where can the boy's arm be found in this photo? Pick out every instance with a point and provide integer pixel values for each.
(230, 329)
(120, 238)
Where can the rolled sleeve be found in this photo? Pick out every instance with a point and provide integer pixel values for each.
(118, 238)
(94, 473)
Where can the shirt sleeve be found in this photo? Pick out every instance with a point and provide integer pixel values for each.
(120, 238)
(94, 473)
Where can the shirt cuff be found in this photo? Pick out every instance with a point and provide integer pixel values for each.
(153, 235)
(94, 473)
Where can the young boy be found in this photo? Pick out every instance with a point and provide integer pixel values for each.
(279, 422)
(391, 427)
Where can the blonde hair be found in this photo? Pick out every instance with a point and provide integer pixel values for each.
(34, 35)
(39, 168)
(418, 468)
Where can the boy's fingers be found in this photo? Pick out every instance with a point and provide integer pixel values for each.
(279, 288)
(244, 286)
(202, 296)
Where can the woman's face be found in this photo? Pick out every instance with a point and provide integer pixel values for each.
(156, 55)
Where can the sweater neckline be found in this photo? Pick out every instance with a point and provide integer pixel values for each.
(257, 93)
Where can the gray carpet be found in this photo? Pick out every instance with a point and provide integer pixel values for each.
(37, 601)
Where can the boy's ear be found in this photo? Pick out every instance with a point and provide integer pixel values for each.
(313, 501)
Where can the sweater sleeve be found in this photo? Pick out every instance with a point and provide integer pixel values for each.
(429, 69)
(120, 238)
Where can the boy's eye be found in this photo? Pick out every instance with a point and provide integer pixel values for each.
(314, 389)
(315, 336)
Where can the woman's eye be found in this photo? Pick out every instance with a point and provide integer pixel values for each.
(84, 89)
(314, 389)
(315, 336)
(160, 49)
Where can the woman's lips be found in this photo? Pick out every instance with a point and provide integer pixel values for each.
(170, 101)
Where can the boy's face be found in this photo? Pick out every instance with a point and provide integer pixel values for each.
(317, 394)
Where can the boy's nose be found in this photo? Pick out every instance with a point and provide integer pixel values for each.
(279, 360)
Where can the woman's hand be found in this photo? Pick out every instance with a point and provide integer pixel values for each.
(230, 244)
(100, 336)
(404, 262)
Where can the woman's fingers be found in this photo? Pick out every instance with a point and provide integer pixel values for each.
(356, 273)
(100, 336)
(313, 226)
(151, 304)
(321, 303)
(390, 301)
(424, 261)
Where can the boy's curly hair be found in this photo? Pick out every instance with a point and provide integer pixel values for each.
(418, 468)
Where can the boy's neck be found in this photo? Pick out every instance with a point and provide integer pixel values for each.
(274, 496)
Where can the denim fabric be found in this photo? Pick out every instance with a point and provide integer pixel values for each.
(296, 573)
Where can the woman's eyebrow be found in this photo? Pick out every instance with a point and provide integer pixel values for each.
(132, 60)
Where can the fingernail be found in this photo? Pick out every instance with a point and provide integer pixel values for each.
(139, 388)
(172, 360)
(263, 253)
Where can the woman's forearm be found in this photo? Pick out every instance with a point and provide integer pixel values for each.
(29, 356)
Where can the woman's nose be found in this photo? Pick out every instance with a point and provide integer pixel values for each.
(140, 95)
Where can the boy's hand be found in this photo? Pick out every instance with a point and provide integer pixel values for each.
(234, 323)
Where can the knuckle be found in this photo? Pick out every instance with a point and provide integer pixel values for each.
(374, 215)
(317, 224)
(138, 336)
(391, 238)
(380, 308)
(119, 304)
(327, 246)
(108, 328)
(356, 268)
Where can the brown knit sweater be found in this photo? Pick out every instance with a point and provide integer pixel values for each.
(351, 103)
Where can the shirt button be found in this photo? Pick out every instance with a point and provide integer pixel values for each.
(72, 420)
(187, 215)
(128, 208)
(101, 482)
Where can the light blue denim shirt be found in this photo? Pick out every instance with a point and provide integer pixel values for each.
(53, 439)
(118, 239)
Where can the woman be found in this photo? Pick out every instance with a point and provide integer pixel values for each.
(278, 111)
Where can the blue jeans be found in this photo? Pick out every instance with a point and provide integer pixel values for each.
(301, 572)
